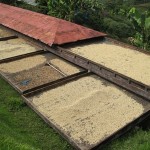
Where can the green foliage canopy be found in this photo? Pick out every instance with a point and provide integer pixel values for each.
(141, 23)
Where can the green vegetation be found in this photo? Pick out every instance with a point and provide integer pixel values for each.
(8, 1)
(21, 128)
(136, 140)
(24, 5)
(141, 23)
(64, 9)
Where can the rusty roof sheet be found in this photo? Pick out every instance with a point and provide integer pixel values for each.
(44, 28)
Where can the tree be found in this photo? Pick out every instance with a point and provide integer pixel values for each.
(141, 23)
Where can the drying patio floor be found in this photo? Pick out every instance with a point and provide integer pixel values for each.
(89, 110)
(129, 62)
(35, 77)
(15, 47)
(30, 72)
(4, 33)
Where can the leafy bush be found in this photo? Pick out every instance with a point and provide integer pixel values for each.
(8, 1)
(42, 2)
(29, 7)
(64, 9)
(141, 23)
(90, 16)
(121, 19)
(117, 29)
(42, 5)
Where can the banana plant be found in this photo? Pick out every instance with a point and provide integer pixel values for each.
(141, 23)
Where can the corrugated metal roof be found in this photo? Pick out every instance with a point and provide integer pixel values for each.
(47, 29)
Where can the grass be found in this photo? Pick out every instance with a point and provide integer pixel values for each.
(138, 139)
(22, 129)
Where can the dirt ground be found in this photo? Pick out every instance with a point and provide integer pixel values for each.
(89, 109)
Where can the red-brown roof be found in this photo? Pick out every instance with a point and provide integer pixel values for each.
(47, 29)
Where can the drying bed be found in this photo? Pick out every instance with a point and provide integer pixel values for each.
(126, 61)
(89, 110)
(4, 33)
(35, 77)
(38, 60)
(16, 47)
(34, 71)
(102, 71)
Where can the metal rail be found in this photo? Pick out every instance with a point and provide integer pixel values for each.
(49, 85)
(6, 60)
(55, 83)
(104, 72)
(8, 38)
(55, 68)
